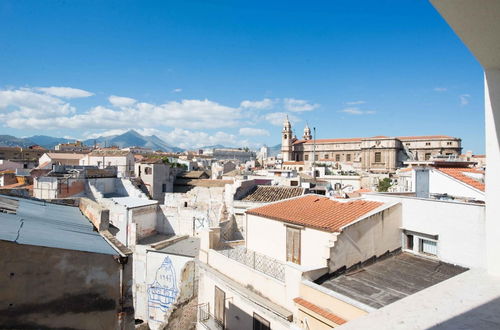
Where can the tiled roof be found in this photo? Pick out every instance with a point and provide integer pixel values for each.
(195, 175)
(272, 193)
(458, 174)
(61, 155)
(293, 163)
(318, 310)
(341, 140)
(316, 211)
(425, 137)
(109, 153)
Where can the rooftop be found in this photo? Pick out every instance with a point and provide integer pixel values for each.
(460, 175)
(32, 222)
(130, 202)
(110, 153)
(403, 138)
(272, 193)
(188, 247)
(317, 211)
(390, 278)
(62, 155)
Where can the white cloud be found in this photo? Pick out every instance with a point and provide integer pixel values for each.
(357, 111)
(177, 90)
(65, 92)
(277, 118)
(355, 102)
(260, 105)
(121, 101)
(249, 131)
(464, 99)
(296, 105)
(27, 108)
(440, 89)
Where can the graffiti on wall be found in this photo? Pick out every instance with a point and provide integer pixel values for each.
(163, 291)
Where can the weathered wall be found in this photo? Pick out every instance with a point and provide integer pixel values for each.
(42, 288)
(98, 215)
(440, 183)
(369, 237)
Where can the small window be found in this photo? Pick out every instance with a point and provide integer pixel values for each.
(448, 143)
(427, 156)
(306, 157)
(315, 157)
(285, 136)
(428, 247)
(407, 144)
(409, 242)
(148, 170)
(260, 323)
(378, 157)
(427, 143)
(185, 204)
(337, 158)
(293, 245)
(326, 156)
(348, 157)
(164, 187)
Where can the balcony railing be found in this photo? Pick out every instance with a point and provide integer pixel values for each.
(207, 319)
(255, 260)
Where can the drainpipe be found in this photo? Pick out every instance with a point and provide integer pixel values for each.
(122, 260)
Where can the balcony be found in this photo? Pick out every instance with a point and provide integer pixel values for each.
(208, 320)
(259, 262)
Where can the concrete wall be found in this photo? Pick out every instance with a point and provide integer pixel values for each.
(460, 227)
(160, 280)
(54, 288)
(372, 236)
(268, 237)
(239, 308)
(145, 218)
(157, 176)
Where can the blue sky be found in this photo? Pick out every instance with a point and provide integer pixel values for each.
(213, 71)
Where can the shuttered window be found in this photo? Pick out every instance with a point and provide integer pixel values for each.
(428, 246)
(293, 245)
(220, 299)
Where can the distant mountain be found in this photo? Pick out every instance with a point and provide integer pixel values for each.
(132, 138)
(216, 146)
(275, 150)
(12, 141)
(128, 139)
(48, 142)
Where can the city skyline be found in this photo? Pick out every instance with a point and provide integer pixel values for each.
(205, 73)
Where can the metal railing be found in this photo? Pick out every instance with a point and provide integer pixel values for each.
(257, 261)
(207, 319)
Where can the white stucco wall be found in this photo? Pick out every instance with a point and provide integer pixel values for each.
(460, 227)
(268, 237)
(371, 236)
(440, 183)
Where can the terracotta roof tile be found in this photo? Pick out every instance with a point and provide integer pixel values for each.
(425, 137)
(458, 174)
(293, 163)
(316, 211)
(272, 193)
(318, 310)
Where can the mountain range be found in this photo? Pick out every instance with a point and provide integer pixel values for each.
(130, 138)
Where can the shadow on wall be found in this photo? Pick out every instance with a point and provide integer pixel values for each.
(483, 317)
(163, 224)
(237, 318)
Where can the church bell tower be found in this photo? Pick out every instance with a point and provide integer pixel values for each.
(286, 141)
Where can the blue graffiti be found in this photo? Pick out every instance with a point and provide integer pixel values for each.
(163, 291)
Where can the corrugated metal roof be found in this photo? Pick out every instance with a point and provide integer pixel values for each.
(50, 225)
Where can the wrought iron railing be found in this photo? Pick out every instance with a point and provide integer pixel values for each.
(257, 261)
(207, 319)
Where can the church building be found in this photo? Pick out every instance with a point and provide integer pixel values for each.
(377, 154)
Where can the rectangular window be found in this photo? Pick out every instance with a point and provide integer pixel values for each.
(428, 247)
(378, 157)
(348, 157)
(293, 245)
(315, 157)
(407, 144)
(260, 323)
(427, 143)
(409, 242)
(448, 143)
(164, 187)
(326, 156)
(427, 156)
(337, 158)
(220, 307)
(306, 157)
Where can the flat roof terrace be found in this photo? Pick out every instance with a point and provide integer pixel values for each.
(389, 278)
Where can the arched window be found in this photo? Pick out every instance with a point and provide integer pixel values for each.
(285, 136)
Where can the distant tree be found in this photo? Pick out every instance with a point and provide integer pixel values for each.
(384, 185)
